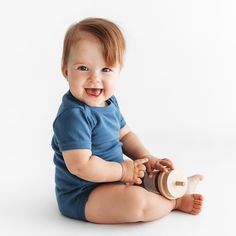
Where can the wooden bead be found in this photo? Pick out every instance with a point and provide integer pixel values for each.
(179, 183)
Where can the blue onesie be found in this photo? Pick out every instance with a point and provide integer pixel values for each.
(78, 126)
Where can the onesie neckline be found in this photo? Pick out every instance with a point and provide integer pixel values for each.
(94, 108)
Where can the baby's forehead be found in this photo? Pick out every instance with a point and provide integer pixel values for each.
(86, 36)
(85, 41)
(89, 44)
(88, 52)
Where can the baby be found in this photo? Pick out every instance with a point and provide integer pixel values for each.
(93, 181)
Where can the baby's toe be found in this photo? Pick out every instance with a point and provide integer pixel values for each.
(195, 211)
(197, 207)
(198, 197)
(198, 202)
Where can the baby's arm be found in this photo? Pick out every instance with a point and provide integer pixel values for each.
(134, 149)
(82, 163)
(132, 146)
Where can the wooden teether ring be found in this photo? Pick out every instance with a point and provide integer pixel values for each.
(172, 184)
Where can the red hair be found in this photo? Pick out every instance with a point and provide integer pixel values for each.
(107, 32)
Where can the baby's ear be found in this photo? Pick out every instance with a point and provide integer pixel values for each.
(64, 71)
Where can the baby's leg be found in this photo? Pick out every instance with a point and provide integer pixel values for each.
(112, 203)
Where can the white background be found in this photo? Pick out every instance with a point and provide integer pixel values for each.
(177, 92)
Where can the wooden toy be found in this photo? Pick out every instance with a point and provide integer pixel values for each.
(171, 184)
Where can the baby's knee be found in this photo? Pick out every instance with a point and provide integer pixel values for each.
(136, 202)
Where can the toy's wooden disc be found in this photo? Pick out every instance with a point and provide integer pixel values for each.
(176, 191)
(162, 187)
(167, 184)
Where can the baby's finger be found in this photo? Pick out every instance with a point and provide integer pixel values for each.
(166, 162)
(138, 181)
(149, 170)
(141, 174)
(141, 167)
(160, 166)
(140, 161)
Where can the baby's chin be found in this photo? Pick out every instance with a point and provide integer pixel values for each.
(96, 102)
(93, 101)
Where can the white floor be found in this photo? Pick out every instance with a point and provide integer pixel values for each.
(28, 207)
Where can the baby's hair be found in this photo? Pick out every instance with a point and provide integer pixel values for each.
(107, 32)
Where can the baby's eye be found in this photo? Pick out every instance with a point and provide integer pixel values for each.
(82, 68)
(106, 70)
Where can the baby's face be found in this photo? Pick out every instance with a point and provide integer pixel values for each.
(90, 79)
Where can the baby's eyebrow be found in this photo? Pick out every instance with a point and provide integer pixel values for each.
(84, 63)
(79, 63)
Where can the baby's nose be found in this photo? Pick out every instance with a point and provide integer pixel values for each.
(95, 79)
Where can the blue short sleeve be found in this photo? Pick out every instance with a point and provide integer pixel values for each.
(72, 130)
(122, 121)
(121, 118)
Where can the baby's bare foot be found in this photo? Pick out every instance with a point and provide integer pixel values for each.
(193, 182)
(190, 203)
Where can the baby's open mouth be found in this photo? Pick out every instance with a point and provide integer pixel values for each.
(94, 92)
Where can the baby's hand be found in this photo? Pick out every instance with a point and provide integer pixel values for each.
(154, 163)
(133, 171)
